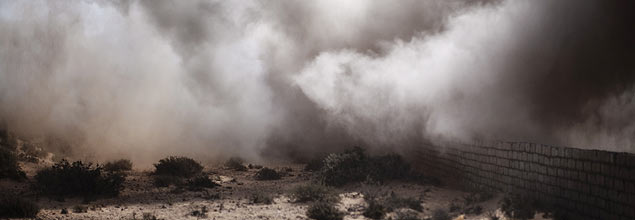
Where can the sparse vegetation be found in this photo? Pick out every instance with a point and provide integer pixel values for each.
(80, 209)
(315, 164)
(406, 214)
(78, 179)
(440, 214)
(149, 216)
(260, 198)
(202, 213)
(200, 182)
(118, 165)
(324, 211)
(355, 166)
(312, 192)
(178, 166)
(236, 163)
(9, 167)
(518, 206)
(166, 180)
(375, 210)
(394, 202)
(267, 174)
(12, 206)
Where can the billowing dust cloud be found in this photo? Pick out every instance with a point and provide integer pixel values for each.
(146, 79)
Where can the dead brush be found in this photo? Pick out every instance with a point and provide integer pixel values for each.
(118, 165)
(323, 210)
(13, 206)
(267, 174)
(312, 193)
(235, 163)
(260, 198)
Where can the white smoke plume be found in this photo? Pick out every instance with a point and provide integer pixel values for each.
(146, 79)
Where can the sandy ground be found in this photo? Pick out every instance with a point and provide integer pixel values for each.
(141, 198)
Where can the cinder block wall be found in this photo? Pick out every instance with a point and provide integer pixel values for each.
(587, 184)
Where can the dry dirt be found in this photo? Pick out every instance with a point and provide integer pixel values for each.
(141, 198)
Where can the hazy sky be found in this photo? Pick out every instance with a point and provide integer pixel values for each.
(146, 79)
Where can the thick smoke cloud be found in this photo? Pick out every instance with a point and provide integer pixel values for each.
(145, 79)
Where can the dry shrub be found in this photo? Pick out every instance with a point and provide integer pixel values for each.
(312, 192)
(324, 211)
(440, 214)
(260, 198)
(267, 174)
(200, 182)
(9, 167)
(118, 165)
(236, 163)
(178, 166)
(355, 166)
(395, 202)
(13, 206)
(518, 206)
(375, 210)
(78, 179)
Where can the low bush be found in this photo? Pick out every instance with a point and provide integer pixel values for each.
(77, 179)
(440, 214)
(315, 164)
(312, 192)
(375, 210)
(518, 206)
(80, 209)
(9, 167)
(202, 213)
(267, 174)
(343, 168)
(260, 198)
(355, 166)
(118, 165)
(200, 182)
(166, 180)
(407, 214)
(395, 202)
(388, 167)
(149, 216)
(324, 211)
(178, 166)
(12, 206)
(236, 163)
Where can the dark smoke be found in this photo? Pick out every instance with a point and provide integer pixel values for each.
(292, 79)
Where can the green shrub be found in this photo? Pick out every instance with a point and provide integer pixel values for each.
(324, 211)
(260, 198)
(267, 174)
(178, 166)
(312, 192)
(12, 206)
(118, 165)
(236, 163)
(77, 179)
(375, 210)
(200, 182)
(440, 214)
(9, 167)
